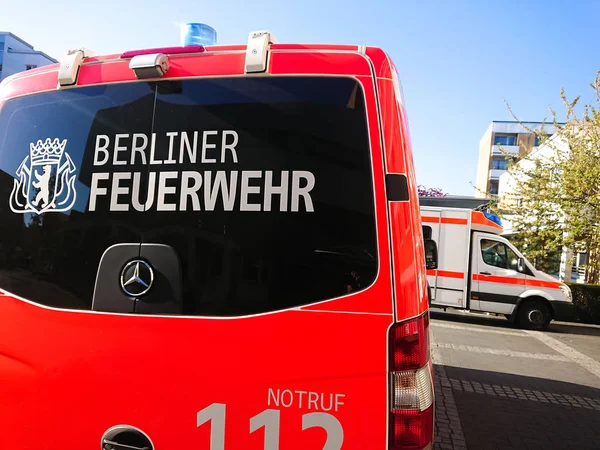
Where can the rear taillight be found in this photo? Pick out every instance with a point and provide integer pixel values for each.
(412, 397)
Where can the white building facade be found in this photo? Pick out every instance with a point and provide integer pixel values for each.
(16, 55)
(502, 141)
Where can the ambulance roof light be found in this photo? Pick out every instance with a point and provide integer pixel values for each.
(258, 50)
(69, 66)
(149, 66)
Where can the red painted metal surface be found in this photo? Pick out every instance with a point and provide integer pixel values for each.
(83, 372)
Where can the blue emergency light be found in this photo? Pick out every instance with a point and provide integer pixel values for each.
(494, 218)
(197, 34)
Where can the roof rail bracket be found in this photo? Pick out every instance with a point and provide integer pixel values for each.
(258, 50)
(69, 66)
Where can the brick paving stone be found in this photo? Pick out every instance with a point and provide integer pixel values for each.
(485, 400)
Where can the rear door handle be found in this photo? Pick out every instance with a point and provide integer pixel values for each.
(485, 273)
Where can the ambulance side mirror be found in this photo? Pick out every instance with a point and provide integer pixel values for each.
(431, 254)
(521, 265)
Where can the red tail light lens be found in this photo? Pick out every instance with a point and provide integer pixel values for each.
(412, 429)
(412, 399)
(410, 344)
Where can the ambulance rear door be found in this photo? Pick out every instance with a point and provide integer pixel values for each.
(196, 262)
(450, 230)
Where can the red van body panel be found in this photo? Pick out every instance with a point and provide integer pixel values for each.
(66, 376)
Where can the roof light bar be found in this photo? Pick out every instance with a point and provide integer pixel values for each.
(69, 66)
(257, 50)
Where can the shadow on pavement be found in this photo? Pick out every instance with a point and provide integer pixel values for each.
(501, 322)
(472, 318)
(506, 411)
(574, 328)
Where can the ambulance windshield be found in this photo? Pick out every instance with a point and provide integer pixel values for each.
(263, 187)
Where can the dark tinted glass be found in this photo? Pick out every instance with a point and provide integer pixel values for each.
(277, 210)
(498, 254)
(263, 187)
(50, 244)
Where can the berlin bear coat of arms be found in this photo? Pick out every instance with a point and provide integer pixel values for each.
(45, 179)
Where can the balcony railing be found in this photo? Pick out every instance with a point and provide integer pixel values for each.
(495, 173)
(511, 149)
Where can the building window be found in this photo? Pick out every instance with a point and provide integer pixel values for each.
(494, 187)
(505, 139)
(499, 164)
(30, 66)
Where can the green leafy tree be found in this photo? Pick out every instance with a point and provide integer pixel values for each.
(556, 194)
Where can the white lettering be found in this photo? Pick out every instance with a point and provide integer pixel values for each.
(152, 149)
(118, 149)
(191, 150)
(190, 191)
(135, 199)
(246, 190)
(332, 426)
(271, 190)
(313, 398)
(135, 148)
(303, 192)
(95, 190)
(269, 420)
(164, 190)
(300, 394)
(228, 194)
(117, 190)
(171, 135)
(338, 401)
(323, 402)
(215, 415)
(206, 146)
(271, 394)
(230, 147)
(291, 397)
(101, 148)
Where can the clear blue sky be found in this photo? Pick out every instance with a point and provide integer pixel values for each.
(457, 59)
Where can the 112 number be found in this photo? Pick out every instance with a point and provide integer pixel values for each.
(269, 419)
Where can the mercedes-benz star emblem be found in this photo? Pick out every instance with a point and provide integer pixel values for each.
(137, 278)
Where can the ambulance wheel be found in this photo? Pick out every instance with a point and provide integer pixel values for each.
(534, 315)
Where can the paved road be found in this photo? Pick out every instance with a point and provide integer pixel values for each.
(498, 387)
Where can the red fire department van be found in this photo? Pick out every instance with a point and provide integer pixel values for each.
(212, 248)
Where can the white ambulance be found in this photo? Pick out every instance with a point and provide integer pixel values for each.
(472, 267)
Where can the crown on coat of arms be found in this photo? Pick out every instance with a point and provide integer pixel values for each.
(47, 152)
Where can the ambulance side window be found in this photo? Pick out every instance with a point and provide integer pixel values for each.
(498, 254)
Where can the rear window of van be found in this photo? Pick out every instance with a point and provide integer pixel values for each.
(262, 186)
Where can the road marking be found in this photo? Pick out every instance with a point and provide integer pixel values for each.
(584, 361)
(497, 352)
(446, 412)
(450, 326)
